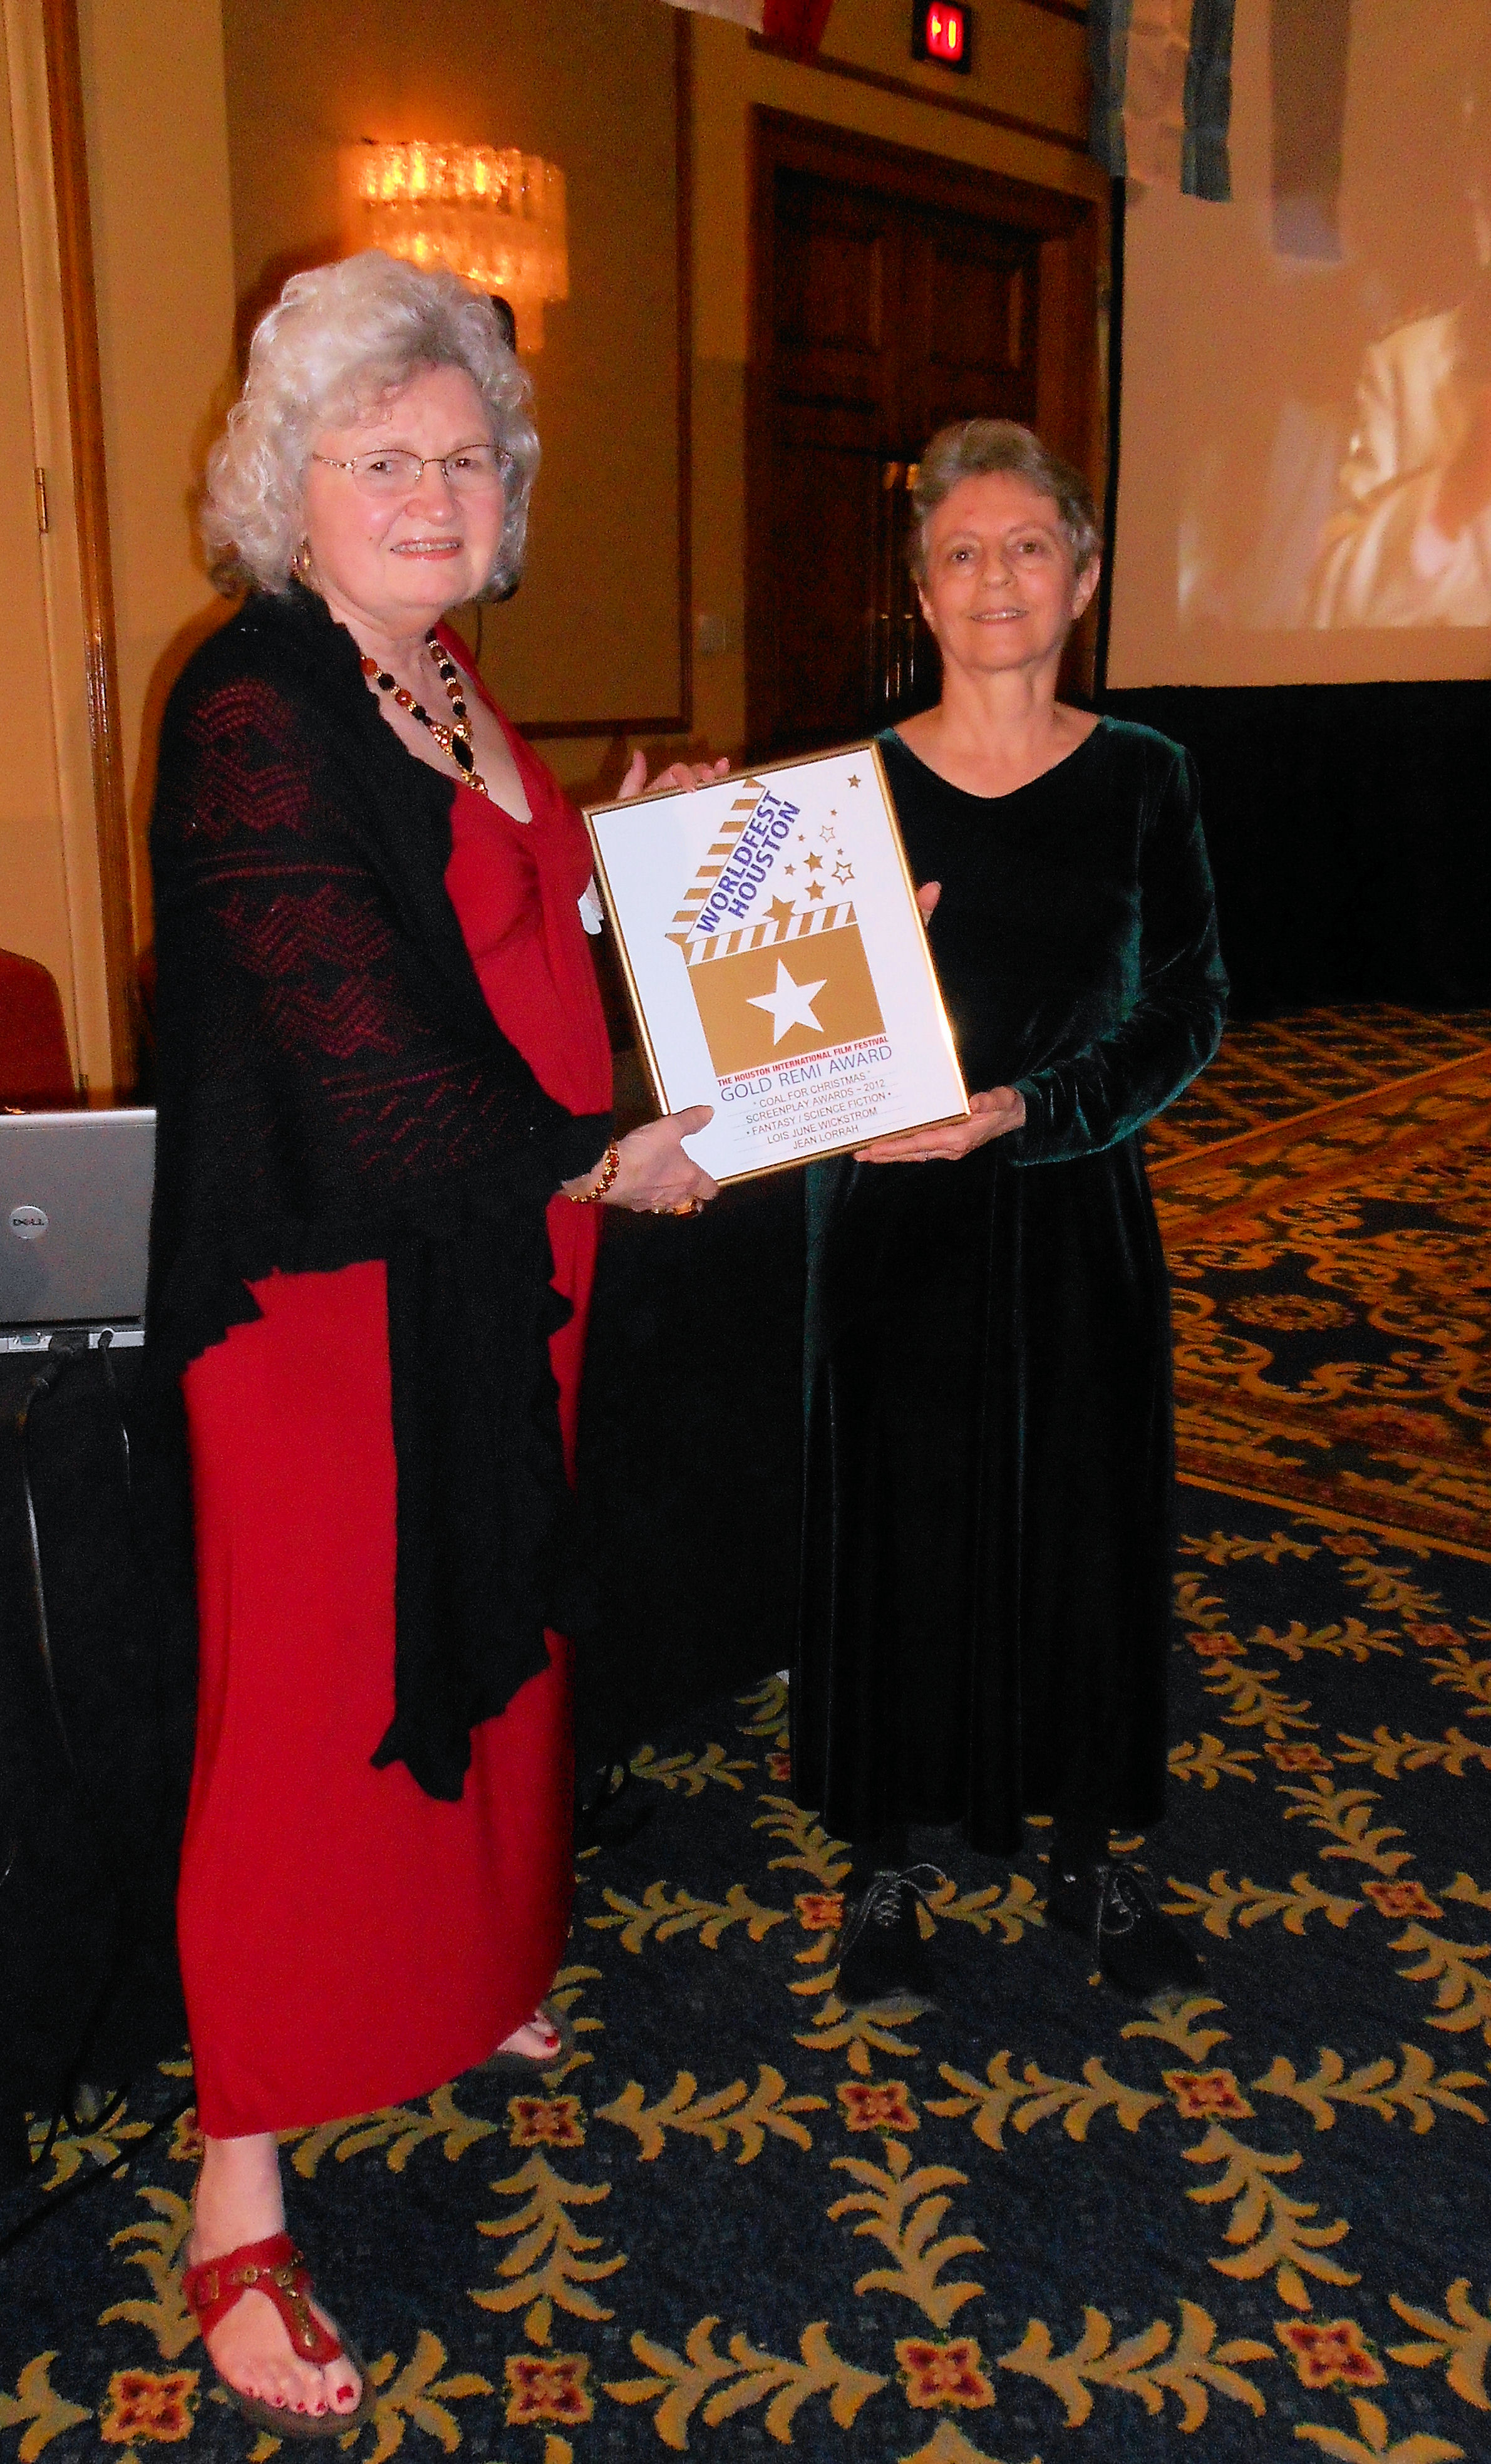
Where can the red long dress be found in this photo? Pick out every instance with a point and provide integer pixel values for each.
(346, 1941)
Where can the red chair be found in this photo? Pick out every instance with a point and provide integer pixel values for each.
(35, 1065)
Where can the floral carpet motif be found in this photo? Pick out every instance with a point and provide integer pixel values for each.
(1033, 2223)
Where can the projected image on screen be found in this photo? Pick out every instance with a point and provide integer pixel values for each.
(1408, 539)
(1306, 436)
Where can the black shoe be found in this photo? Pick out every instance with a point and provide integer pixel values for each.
(882, 1956)
(609, 1809)
(1137, 1949)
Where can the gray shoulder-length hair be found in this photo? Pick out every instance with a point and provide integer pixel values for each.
(338, 342)
(974, 448)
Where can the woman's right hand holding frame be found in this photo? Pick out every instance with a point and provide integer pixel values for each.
(653, 1175)
(990, 1115)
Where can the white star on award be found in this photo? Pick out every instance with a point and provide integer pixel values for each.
(791, 1004)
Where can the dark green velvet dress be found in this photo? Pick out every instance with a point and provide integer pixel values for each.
(988, 1513)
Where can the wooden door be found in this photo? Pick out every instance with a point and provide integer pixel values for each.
(971, 291)
(835, 378)
(894, 292)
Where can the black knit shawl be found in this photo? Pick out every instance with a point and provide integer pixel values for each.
(333, 1089)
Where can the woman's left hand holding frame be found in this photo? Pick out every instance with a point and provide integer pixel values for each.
(678, 774)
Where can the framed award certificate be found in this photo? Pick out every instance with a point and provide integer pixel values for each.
(777, 961)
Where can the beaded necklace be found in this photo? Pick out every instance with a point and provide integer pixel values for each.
(454, 740)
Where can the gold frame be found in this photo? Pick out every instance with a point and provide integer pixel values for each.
(592, 813)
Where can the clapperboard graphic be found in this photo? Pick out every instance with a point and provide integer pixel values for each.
(775, 959)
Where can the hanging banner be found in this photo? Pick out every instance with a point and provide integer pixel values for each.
(798, 25)
(1162, 93)
(777, 962)
(743, 12)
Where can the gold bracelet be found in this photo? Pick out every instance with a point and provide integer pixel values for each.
(610, 1166)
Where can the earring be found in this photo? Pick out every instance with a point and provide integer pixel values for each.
(300, 561)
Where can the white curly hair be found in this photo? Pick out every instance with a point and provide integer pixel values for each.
(337, 341)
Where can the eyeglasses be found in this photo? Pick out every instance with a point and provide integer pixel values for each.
(470, 471)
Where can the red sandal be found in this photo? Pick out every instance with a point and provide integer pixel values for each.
(275, 2269)
(533, 2066)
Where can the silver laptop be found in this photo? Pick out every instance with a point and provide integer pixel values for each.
(75, 1223)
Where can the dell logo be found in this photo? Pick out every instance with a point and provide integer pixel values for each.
(28, 1222)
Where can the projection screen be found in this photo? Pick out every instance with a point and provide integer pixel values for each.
(1305, 437)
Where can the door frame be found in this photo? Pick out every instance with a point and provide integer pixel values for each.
(1072, 233)
(73, 515)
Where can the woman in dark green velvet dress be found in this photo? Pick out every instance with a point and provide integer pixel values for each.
(988, 1529)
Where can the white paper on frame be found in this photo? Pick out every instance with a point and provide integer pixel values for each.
(770, 931)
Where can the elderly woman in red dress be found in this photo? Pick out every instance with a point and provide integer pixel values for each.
(383, 1132)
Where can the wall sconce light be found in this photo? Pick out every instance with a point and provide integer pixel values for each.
(491, 213)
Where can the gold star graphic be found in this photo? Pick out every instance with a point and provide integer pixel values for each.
(782, 910)
(789, 870)
(855, 782)
(815, 889)
(844, 873)
(814, 864)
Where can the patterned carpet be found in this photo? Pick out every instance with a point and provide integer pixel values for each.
(1331, 1272)
(1277, 1069)
(1033, 2223)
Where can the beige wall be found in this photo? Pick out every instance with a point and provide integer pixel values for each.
(153, 106)
(163, 253)
(48, 890)
(596, 619)
(593, 632)
(212, 135)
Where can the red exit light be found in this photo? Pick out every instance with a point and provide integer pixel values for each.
(941, 31)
